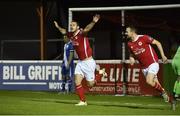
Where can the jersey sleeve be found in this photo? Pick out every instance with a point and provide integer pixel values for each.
(82, 32)
(148, 39)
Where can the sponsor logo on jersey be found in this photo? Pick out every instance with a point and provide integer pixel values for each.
(140, 43)
(139, 51)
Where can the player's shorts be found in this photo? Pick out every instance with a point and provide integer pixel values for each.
(153, 68)
(86, 68)
(176, 62)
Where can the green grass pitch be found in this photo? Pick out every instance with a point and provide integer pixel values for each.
(52, 103)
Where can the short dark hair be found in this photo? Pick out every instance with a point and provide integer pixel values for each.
(75, 22)
(132, 27)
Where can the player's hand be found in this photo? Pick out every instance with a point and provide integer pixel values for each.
(164, 59)
(56, 24)
(96, 18)
(103, 72)
(67, 66)
(131, 60)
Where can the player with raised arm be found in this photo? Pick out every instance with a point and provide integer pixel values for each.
(141, 49)
(86, 65)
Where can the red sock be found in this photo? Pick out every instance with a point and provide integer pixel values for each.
(98, 77)
(80, 92)
(158, 87)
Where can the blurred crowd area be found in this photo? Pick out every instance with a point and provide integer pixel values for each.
(20, 21)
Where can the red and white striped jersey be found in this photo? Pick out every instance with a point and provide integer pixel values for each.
(81, 44)
(143, 51)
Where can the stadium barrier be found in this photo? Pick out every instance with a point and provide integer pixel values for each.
(31, 75)
(46, 76)
(135, 83)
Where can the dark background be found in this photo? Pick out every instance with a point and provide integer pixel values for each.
(19, 20)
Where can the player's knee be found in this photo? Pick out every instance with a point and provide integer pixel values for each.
(149, 81)
(90, 84)
(77, 81)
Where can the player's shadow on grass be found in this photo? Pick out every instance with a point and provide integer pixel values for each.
(63, 102)
(55, 101)
(128, 106)
(98, 104)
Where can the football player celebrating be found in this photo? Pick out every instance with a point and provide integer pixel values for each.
(86, 65)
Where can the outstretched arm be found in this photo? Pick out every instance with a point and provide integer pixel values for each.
(62, 30)
(92, 23)
(158, 44)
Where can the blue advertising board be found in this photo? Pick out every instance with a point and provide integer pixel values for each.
(30, 75)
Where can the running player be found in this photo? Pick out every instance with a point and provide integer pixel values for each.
(140, 48)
